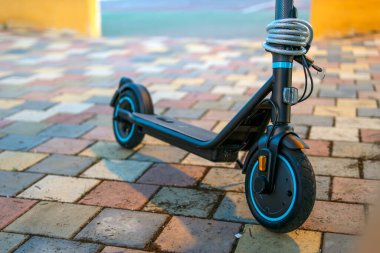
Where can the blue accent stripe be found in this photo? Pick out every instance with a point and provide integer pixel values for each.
(289, 167)
(130, 133)
(282, 65)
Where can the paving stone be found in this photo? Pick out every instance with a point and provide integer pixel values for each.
(329, 166)
(234, 207)
(327, 217)
(368, 112)
(358, 122)
(335, 111)
(355, 190)
(100, 133)
(312, 120)
(168, 154)
(66, 130)
(323, 187)
(12, 182)
(117, 170)
(356, 150)
(173, 174)
(38, 244)
(182, 201)
(20, 142)
(184, 234)
(338, 243)
(9, 242)
(36, 105)
(12, 160)
(63, 146)
(318, 148)
(334, 133)
(70, 118)
(61, 220)
(25, 128)
(192, 159)
(12, 208)
(224, 179)
(120, 195)
(370, 135)
(257, 239)
(100, 120)
(56, 188)
(63, 165)
(109, 150)
(123, 228)
(110, 249)
(337, 93)
(371, 169)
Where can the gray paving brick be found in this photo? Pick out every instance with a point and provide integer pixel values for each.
(10, 241)
(63, 165)
(60, 220)
(181, 201)
(38, 244)
(67, 130)
(25, 128)
(312, 120)
(20, 142)
(338, 243)
(122, 228)
(369, 112)
(337, 93)
(12, 182)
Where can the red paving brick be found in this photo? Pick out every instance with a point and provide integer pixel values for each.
(336, 218)
(63, 146)
(101, 133)
(120, 195)
(318, 148)
(370, 135)
(12, 208)
(355, 190)
(173, 174)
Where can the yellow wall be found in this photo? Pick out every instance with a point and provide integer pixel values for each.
(80, 15)
(333, 18)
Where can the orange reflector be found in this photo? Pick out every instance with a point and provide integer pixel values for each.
(262, 163)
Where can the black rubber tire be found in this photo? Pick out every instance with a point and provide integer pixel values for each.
(304, 198)
(136, 136)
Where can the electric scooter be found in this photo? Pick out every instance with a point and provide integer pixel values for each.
(280, 182)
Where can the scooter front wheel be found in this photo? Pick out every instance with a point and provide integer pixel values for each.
(290, 203)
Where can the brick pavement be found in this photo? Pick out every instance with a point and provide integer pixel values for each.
(66, 185)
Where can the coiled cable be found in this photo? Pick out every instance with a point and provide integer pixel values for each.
(294, 34)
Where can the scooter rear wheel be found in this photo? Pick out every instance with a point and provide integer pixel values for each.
(128, 134)
(288, 206)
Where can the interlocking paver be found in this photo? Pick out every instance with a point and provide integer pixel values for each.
(371, 169)
(100, 133)
(11, 208)
(59, 188)
(327, 217)
(338, 243)
(224, 179)
(110, 249)
(334, 133)
(184, 234)
(257, 239)
(12, 160)
(234, 207)
(328, 166)
(173, 174)
(109, 150)
(10, 241)
(356, 150)
(63, 165)
(61, 220)
(12, 182)
(122, 228)
(38, 244)
(21, 142)
(318, 148)
(25, 128)
(66, 130)
(117, 170)
(63, 146)
(355, 190)
(182, 201)
(192, 159)
(120, 195)
(323, 187)
(370, 135)
(167, 154)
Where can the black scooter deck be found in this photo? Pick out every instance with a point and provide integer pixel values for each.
(178, 126)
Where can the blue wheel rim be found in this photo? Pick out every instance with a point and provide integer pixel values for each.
(283, 216)
(116, 127)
